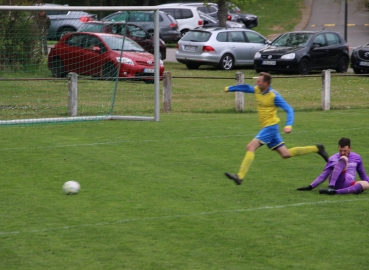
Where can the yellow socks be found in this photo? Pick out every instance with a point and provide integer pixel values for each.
(304, 150)
(245, 165)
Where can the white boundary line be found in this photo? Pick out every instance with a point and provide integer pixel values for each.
(178, 216)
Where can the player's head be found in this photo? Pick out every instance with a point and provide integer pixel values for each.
(264, 80)
(344, 146)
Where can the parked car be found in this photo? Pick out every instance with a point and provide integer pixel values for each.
(224, 48)
(187, 17)
(234, 13)
(303, 51)
(63, 21)
(168, 26)
(100, 55)
(211, 22)
(134, 32)
(360, 59)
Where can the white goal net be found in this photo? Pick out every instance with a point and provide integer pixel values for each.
(75, 75)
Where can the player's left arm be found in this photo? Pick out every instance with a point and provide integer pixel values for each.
(361, 171)
(281, 103)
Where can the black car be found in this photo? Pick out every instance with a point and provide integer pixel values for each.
(303, 51)
(360, 59)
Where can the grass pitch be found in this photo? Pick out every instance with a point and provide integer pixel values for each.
(154, 196)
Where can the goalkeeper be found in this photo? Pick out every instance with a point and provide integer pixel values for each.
(268, 100)
(341, 170)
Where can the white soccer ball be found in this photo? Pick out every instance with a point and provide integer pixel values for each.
(71, 187)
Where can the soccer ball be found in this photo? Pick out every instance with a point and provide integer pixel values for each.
(71, 187)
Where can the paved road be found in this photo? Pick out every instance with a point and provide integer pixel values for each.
(329, 16)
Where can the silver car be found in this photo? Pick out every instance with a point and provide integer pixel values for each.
(224, 48)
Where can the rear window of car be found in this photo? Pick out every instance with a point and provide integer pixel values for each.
(196, 36)
(97, 28)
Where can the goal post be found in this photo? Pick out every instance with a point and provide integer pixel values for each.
(31, 94)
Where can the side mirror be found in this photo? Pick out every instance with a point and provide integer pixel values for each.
(96, 49)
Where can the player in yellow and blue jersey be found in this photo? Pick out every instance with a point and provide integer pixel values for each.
(268, 101)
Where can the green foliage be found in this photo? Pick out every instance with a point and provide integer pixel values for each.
(20, 42)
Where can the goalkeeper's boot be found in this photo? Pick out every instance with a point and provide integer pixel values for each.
(322, 152)
(329, 191)
(234, 177)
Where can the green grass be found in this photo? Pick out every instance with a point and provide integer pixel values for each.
(154, 196)
(153, 193)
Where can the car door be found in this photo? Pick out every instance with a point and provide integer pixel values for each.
(334, 48)
(318, 52)
(256, 42)
(93, 56)
(240, 47)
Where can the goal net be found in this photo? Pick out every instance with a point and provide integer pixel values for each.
(51, 71)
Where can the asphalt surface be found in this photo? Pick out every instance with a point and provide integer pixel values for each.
(323, 14)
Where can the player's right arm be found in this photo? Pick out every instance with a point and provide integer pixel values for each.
(246, 88)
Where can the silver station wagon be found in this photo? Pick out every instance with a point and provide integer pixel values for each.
(224, 48)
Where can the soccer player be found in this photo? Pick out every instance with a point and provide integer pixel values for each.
(341, 170)
(268, 100)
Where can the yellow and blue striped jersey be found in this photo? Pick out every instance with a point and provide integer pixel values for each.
(267, 104)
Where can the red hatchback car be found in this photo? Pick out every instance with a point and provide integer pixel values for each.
(101, 55)
(134, 32)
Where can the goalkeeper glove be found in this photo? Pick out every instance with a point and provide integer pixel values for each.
(226, 89)
(305, 188)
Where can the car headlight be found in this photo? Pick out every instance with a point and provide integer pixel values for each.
(257, 55)
(288, 56)
(125, 60)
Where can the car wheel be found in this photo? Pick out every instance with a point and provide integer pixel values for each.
(109, 71)
(227, 62)
(63, 31)
(57, 68)
(184, 32)
(342, 64)
(304, 66)
(192, 66)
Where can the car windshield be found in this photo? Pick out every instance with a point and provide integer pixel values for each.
(196, 36)
(293, 39)
(125, 44)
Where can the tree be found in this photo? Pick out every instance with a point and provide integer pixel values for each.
(223, 6)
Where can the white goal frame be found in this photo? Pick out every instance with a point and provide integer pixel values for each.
(156, 116)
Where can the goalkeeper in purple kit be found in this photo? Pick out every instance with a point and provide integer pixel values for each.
(268, 101)
(341, 170)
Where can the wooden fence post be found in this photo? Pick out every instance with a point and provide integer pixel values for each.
(72, 94)
(326, 90)
(167, 91)
(240, 101)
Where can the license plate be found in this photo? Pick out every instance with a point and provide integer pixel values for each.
(364, 63)
(148, 70)
(271, 63)
(190, 48)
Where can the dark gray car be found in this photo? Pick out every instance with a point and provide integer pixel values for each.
(64, 21)
(168, 26)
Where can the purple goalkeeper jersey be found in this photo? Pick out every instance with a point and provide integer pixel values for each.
(355, 164)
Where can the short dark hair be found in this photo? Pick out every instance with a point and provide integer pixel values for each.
(266, 77)
(344, 142)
